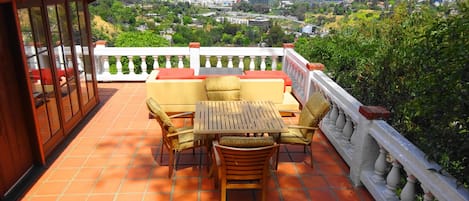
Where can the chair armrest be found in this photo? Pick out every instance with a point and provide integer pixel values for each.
(302, 127)
(180, 132)
(290, 111)
(181, 114)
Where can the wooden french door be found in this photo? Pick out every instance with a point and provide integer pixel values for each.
(16, 154)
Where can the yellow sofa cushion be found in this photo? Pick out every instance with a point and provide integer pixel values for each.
(223, 88)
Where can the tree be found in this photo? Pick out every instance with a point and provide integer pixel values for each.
(140, 39)
(414, 62)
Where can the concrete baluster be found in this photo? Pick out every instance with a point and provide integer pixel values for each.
(230, 61)
(340, 123)
(274, 63)
(119, 65)
(263, 65)
(180, 63)
(168, 61)
(251, 63)
(156, 65)
(106, 65)
(408, 192)
(348, 128)
(380, 166)
(392, 181)
(207, 62)
(334, 113)
(354, 139)
(131, 65)
(143, 65)
(427, 196)
(241, 62)
(219, 62)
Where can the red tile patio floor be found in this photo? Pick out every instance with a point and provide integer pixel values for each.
(115, 157)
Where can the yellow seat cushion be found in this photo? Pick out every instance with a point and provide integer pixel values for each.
(294, 136)
(246, 142)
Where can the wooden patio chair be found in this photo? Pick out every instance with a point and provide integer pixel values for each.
(174, 139)
(311, 114)
(246, 166)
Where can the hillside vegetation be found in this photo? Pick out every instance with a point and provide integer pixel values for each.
(413, 61)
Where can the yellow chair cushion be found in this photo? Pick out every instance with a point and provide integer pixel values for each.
(155, 108)
(246, 142)
(294, 136)
(313, 111)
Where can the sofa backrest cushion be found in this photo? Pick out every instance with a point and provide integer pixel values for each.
(223, 88)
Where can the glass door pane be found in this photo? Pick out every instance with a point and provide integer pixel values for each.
(41, 77)
(83, 51)
(64, 60)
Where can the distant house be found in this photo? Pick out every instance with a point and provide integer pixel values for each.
(260, 22)
(264, 2)
(285, 4)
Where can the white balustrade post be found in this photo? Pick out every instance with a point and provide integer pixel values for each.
(194, 51)
(106, 66)
(348, 128)
(241, 62)
(131, 65)
(274, 63)
(427, 196)
(168, 61)
(119, 65)
(340, 123)
(156, 65)
(218, 61)
(207, 62)
(365, 150)
(251, 63)
(180, 63)
(230, 61)
(380, 166)
(334, 113)
(263, 66)
(408, 192)
(392, 180)
(143, 65)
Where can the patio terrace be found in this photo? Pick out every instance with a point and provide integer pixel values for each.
(357, 147)
(115, 156)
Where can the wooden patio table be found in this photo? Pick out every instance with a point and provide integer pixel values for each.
(238, 117)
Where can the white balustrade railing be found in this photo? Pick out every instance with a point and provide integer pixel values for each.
(256, 58)
(375, 152)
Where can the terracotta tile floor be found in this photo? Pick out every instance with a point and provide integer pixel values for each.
(115, 156)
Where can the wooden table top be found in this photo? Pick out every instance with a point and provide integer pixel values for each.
(221, 117)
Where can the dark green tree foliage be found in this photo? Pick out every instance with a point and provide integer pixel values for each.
(140, 39)
(415, 63)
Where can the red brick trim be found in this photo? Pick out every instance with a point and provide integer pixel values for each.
(101, 42)
(194, 45)
(315, 66)
(288, 45)
(374, 112)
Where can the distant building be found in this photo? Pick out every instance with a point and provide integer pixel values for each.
(260, 22)
(285, 4)
(264, 2)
